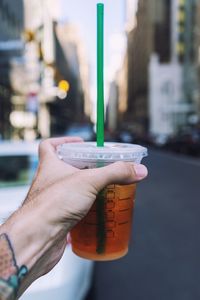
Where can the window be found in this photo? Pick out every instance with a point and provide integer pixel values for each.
(17, 170)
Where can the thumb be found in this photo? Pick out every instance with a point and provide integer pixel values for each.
(117, 173)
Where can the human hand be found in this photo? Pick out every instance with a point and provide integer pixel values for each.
(60, 196)
(77, 189)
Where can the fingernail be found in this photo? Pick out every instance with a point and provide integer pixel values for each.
(141, 171)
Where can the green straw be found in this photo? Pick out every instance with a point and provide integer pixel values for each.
(101, 223)
(101, 226)
(100, 75)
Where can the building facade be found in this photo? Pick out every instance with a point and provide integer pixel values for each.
(165, 29)
(173, 87)
(11, 45)
(64, 84)
(44, 80)
(197, 56)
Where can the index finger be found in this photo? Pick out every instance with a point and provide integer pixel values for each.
(50, 145)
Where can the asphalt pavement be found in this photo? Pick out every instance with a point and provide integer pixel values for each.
(164, 257)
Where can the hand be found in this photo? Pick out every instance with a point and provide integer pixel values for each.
(60, 196)
(74, 190)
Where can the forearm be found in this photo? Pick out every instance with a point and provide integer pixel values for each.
(25, 239)
(11, 275)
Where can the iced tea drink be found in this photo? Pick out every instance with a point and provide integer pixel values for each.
(105, 232)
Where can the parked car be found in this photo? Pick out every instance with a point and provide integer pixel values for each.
(186, 142)
(158, 140)
(71, 278)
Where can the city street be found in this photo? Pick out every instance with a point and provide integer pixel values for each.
(127, 72)
(164, 257)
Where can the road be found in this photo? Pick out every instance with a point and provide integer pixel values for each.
(164, 257)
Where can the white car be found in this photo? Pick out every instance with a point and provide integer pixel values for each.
(71, 278)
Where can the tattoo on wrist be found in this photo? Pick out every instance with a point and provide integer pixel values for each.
(10, 273)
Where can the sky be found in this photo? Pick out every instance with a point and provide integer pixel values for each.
(83, 13)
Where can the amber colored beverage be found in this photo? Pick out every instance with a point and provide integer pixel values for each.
(105, 232)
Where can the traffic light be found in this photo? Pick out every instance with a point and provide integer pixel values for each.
(29, 36)
(181, 20)
(63, 88)
(64, 85)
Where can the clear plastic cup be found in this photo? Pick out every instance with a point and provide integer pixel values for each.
(105, 231)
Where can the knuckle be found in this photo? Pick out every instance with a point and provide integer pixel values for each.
(126, 169)
(130, 171)
(42, 146)
(120, 164)
(88, 178)
(80, 178)
(44, 142)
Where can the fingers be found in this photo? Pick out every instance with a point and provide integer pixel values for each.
(58, 141)
(49, 145)
(120, 172)
(47, 153)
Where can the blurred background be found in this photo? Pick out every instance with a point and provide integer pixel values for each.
(152, 97)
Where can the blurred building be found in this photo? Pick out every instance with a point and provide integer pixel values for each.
(11, 46)
(173, 86)
(160, 46)
(167, 108)
(71, 65)
(116, 74)
(197, 55)
(117, 100)
(150, 34)
(44, 78)
(112, 109)
(64, 92)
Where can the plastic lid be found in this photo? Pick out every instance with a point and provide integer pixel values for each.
(111, 152)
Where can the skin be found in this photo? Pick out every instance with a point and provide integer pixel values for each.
(60, 196)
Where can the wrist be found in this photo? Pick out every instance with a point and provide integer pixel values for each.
(30, 235)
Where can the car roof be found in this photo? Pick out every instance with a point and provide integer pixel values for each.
(11, 148)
